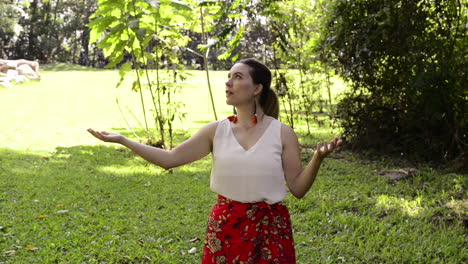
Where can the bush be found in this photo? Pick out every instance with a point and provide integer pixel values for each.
(407, 63)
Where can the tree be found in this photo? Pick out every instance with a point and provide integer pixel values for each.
(47, 30)
(407, 62)
(10, 13)
(150, 33)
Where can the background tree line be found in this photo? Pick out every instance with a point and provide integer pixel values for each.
(404, 61)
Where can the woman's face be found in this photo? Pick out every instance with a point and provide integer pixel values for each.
(240, 87)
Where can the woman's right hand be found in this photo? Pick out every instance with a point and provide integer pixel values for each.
(106, 136)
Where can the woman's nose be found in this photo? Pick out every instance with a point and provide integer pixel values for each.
(228, 82)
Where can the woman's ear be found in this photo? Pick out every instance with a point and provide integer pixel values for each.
(258, 89)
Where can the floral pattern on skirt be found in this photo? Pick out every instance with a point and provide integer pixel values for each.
(248, 233)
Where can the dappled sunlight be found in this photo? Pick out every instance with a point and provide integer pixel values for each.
(125, 171)
(458, 206)
(408, 207)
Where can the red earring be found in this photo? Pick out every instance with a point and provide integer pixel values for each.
(233, 118)
(254, 120)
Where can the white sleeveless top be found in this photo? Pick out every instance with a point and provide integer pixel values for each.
(254, 175)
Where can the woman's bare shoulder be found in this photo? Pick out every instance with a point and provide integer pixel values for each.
(210, 128)
(285, 128)
(287, 134)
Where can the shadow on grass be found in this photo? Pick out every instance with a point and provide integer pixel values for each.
(82, 197)
(78, 161)
(348, 202)
(92, 155)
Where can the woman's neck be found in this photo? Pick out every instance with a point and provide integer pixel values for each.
(245, 115)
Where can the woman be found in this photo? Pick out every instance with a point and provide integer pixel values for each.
(254, 158)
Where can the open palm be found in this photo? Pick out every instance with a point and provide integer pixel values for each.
(106, 136)
(324, 150)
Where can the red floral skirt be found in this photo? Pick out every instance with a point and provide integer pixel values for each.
(248, 233)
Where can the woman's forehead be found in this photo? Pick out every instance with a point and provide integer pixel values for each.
(239, 67)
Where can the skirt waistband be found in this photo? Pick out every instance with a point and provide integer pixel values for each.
(225, 200)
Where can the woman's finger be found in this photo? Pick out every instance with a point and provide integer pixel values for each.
(97, 134)
(92, 132)
(333, 144)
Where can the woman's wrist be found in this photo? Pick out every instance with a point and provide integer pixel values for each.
(122, 140)
(317, 157)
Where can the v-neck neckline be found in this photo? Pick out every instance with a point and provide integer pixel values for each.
(256, 143)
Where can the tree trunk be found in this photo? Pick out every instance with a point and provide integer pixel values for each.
(32, 36)
(84, 54)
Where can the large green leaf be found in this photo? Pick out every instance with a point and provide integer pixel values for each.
(153, 3)
(99, 26)
(178, 5)
(124, 69)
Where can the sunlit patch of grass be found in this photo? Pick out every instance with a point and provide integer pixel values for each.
(458, 206)
(411, 208)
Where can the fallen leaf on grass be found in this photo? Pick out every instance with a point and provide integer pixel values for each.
(192, 250)
(62, 212)
(400, 174)
(31, 248)
(42, 216)
(10, 252)
(196, 239)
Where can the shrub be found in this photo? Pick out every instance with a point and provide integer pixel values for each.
(407, 63)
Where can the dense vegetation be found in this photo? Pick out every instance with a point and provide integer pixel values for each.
(407, 62)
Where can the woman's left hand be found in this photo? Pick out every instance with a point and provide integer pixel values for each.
(324, 150)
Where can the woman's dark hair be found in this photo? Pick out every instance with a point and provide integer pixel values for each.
(262, 75)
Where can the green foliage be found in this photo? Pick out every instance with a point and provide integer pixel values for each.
(8, 18)
(294, 39)
(49, 30)
(407, 62)
(10, 12)
(150, 33)
(237, 28)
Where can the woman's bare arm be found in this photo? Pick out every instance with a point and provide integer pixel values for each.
(191, 150)
(298, 179)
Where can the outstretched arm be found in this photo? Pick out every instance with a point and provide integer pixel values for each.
(191, 150)
(298, 179)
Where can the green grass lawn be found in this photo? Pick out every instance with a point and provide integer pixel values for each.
(67, 198)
